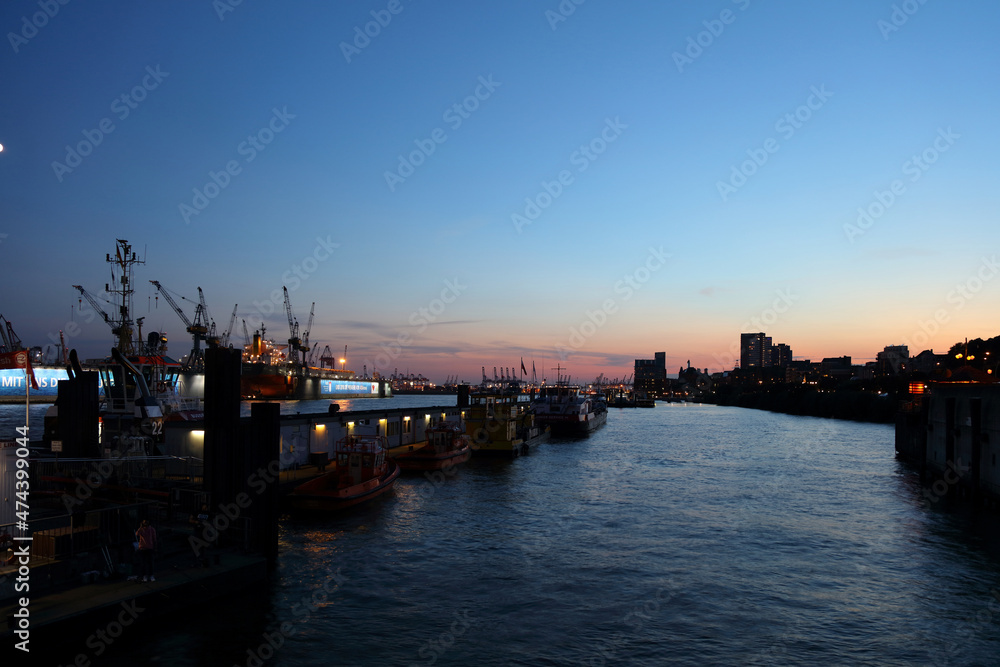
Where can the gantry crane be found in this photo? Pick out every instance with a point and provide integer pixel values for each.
(198, 329)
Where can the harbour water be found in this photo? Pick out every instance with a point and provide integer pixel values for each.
(681, 535)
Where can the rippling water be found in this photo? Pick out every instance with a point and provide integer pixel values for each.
(682, 535)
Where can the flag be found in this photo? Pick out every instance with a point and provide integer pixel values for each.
(523, 370)
(19, 359)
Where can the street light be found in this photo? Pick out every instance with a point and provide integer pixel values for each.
(342, 363)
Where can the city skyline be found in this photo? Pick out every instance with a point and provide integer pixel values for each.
(460, 187)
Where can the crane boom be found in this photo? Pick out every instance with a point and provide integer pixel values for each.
(229, 329)
(294, 344)
(170, 300)
(197, 329)
(93, 303)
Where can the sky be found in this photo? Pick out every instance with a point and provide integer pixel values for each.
(459, 185)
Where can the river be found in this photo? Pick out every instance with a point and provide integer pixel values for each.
(680, 535)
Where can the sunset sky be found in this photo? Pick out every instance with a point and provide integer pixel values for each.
(458, 185)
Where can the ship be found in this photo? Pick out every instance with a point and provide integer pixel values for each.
(500, 421)
(570, 411)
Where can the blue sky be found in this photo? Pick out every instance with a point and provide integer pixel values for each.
(783, 247)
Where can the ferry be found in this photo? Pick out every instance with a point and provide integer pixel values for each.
(363, 472)
(570, 411)
(447, 445)
(500, 422)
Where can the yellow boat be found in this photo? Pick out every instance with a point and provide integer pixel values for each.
(502, 423)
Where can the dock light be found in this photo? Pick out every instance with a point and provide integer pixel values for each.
(918, 388)
(198, 434)
(406, 419)
(958, 356)
(427, 416)
(1, 148)
(350, 424)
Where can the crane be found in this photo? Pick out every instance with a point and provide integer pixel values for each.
(294, 343)
(246, 335)
(229, 329)
(312, 353)
(96, 306)
(326, 359)
(213, 337)
(305, 336)
(197, 329)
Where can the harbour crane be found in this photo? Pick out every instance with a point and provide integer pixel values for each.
(213, 337)
(229, 329)
(198, 329)
(305, 336)
(312, 354)
(96, 306)
(294, 342)
(246, 336)
(326, 359)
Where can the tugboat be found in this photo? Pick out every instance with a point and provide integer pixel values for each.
(363, 472)
(500, 422)
(569, 411)
(447, 445)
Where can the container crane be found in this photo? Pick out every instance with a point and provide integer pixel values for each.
(197, 329)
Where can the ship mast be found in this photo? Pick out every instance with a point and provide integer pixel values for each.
(121, 290)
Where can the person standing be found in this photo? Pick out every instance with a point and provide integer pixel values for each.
(146, 537)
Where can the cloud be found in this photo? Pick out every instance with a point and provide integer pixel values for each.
(708, 291)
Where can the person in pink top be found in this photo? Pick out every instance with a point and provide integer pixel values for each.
(146, 537)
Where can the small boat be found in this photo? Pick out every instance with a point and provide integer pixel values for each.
(363, 472)
(447, 445)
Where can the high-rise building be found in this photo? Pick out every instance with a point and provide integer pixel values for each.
(651, 375)
(754, 350)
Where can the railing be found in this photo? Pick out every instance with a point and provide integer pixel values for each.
(110, 531)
